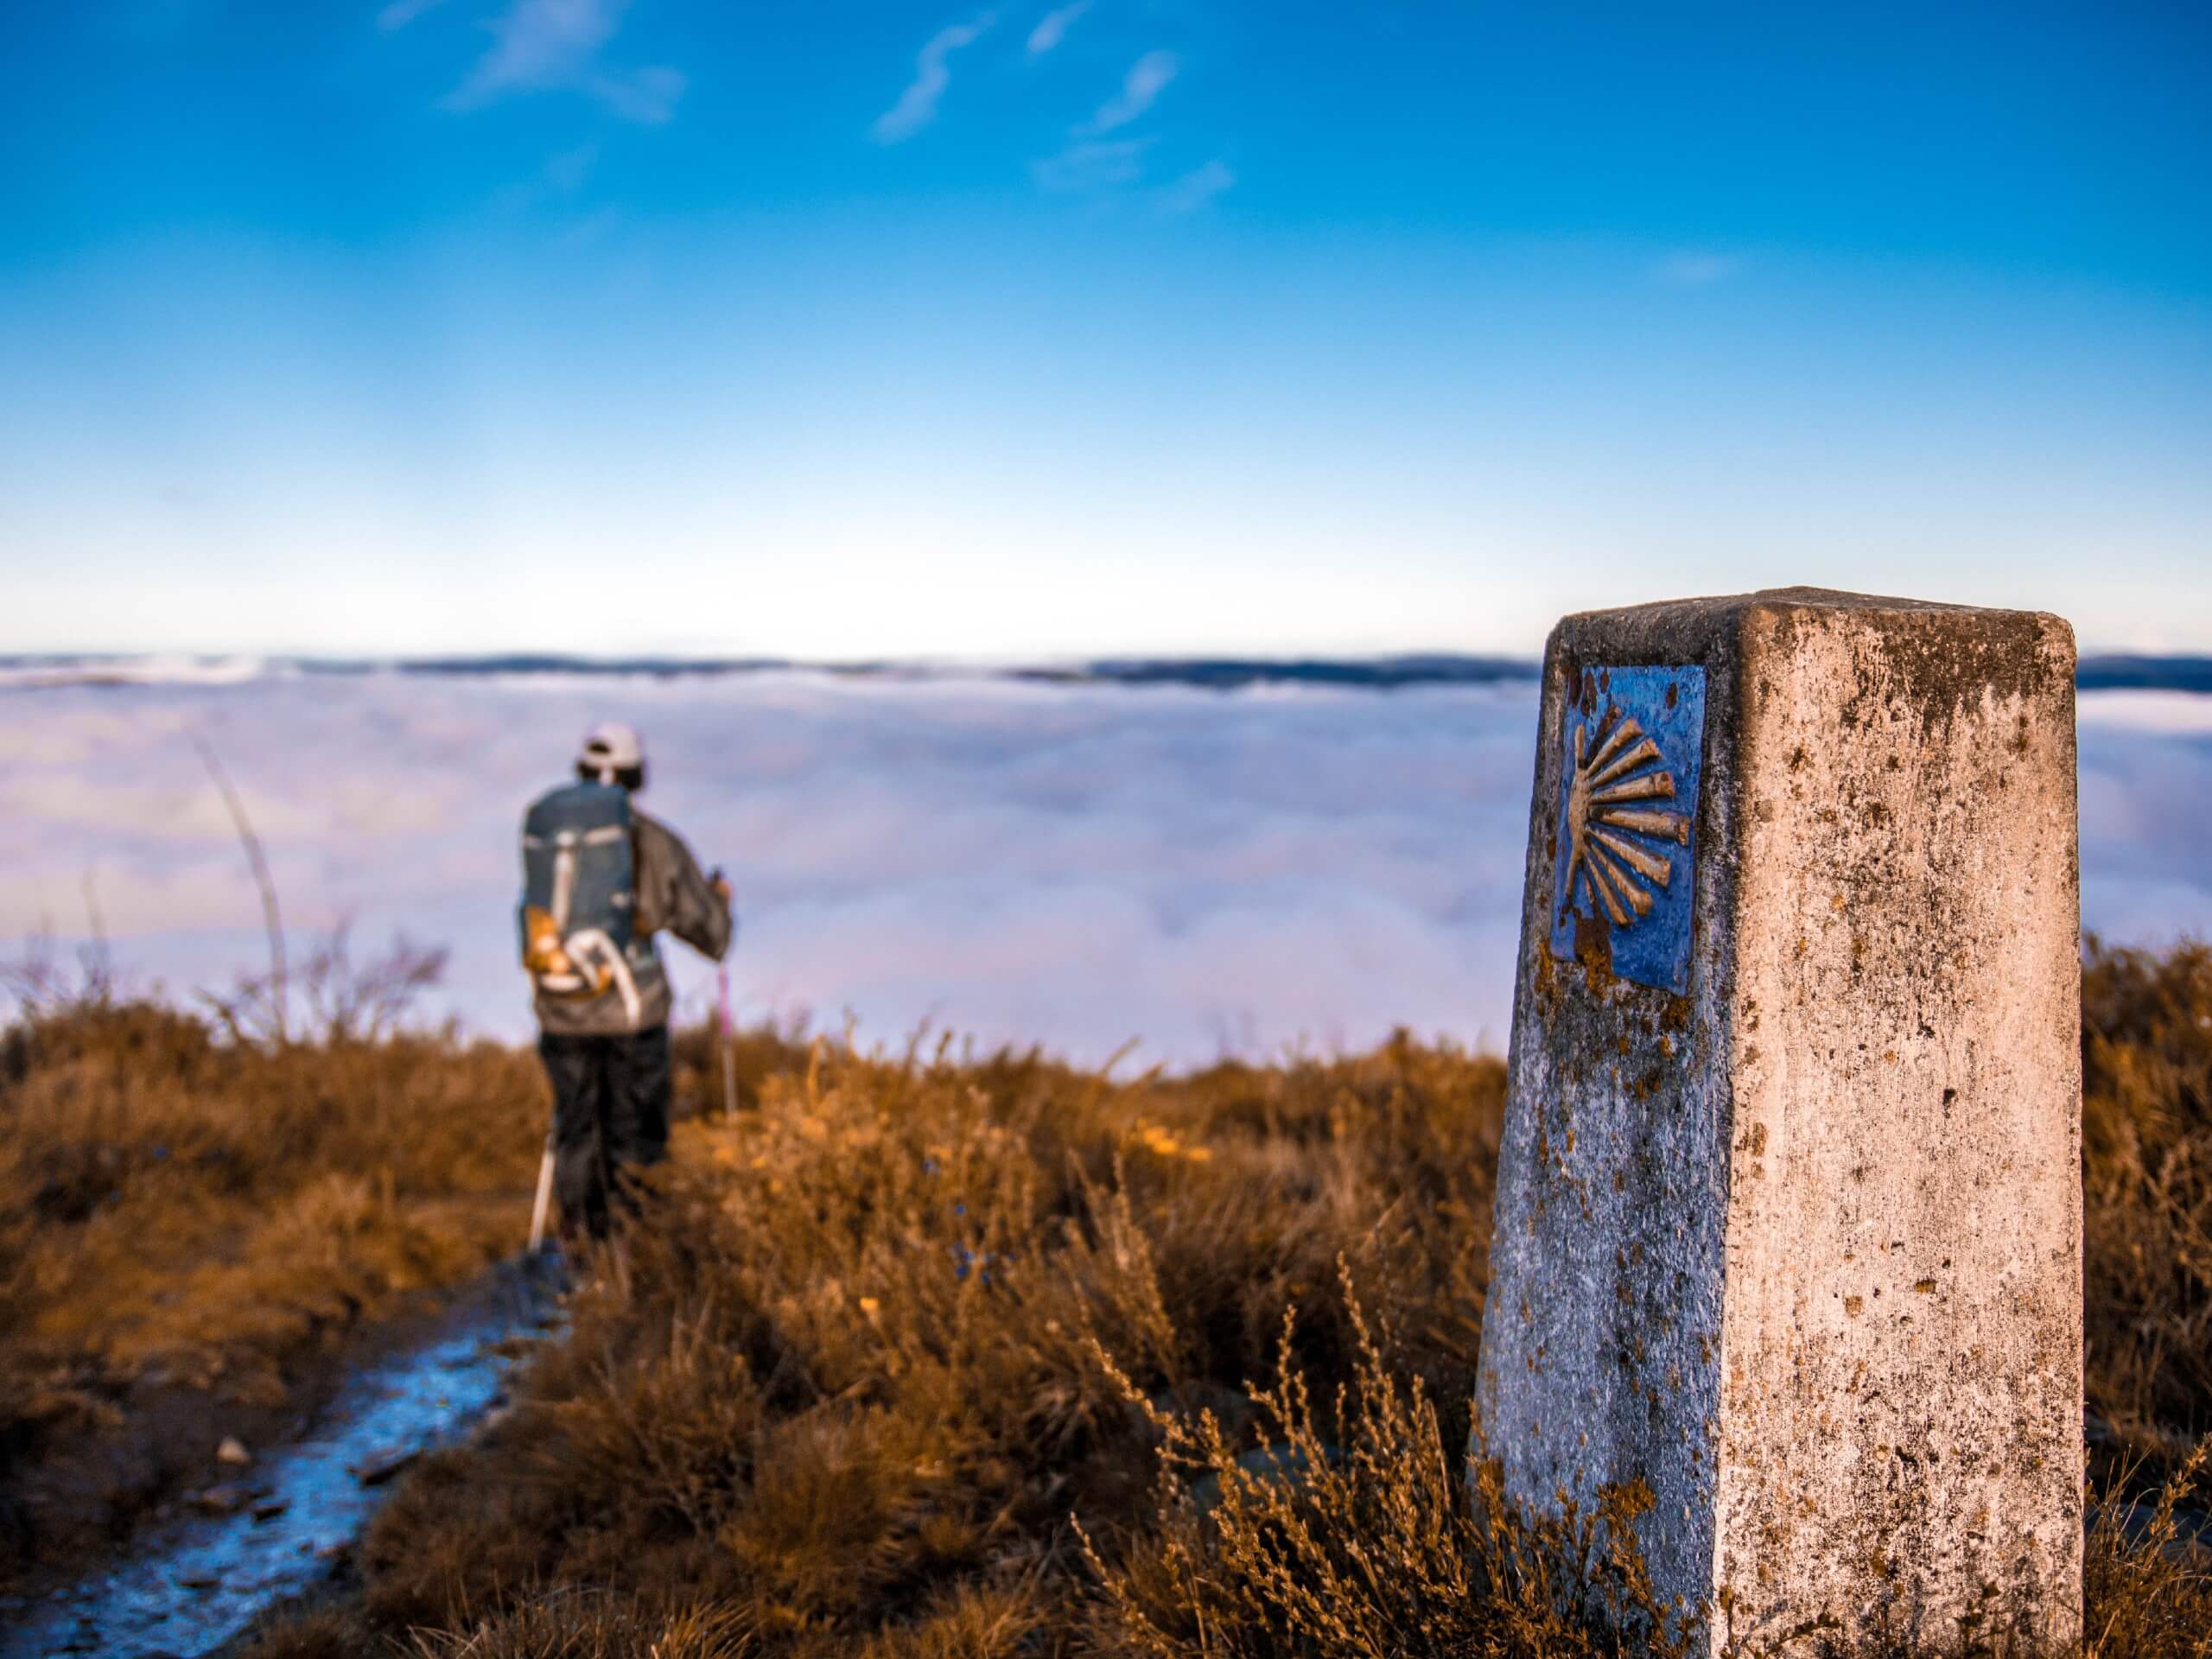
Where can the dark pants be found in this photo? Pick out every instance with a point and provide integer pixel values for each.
(610, 1115)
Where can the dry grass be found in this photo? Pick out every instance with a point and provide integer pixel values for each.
(2146, 1051)
(925, 1358)
(919, 1357)
(847, 1387)
(173, 1202)
(182, 1215)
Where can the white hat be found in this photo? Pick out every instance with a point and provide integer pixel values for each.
(612, 746)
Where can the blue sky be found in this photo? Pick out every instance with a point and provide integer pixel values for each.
(900, 328)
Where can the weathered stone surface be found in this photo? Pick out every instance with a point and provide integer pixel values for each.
(1788, 1216)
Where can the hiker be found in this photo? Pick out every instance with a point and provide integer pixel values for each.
(600, 880)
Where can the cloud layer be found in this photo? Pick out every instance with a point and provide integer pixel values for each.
(1073, 866)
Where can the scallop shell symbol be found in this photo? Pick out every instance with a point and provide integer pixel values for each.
(1606, 827)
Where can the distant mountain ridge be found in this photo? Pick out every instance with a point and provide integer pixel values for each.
(2144, 674)
(2106, 672)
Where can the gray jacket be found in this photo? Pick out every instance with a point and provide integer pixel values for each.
(672, 894)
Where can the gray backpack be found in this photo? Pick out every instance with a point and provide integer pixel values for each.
(579, 895)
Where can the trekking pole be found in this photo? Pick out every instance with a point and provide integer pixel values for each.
(545, 1202)
(729, 1065)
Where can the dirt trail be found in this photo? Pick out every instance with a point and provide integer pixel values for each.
(185, 1588)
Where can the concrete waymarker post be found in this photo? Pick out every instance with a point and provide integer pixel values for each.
(1788, 1215)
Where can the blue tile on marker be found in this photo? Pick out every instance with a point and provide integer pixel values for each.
(1627, 841)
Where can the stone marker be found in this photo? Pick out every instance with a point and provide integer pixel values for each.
(1788, 1215)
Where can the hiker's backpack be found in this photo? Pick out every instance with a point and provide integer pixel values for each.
(579, 896)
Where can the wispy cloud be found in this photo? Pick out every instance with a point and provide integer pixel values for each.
(539, 43)
(1100, 165)
(400, 13)
(1147, 78)
(1197, 188)
(549, 45)
(1694, 269)
(917, 105)
(1051, 29)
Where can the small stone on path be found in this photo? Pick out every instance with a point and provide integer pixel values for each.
(226, 1499)
(375, 1470)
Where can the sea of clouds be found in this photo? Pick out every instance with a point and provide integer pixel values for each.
(1077, 866)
